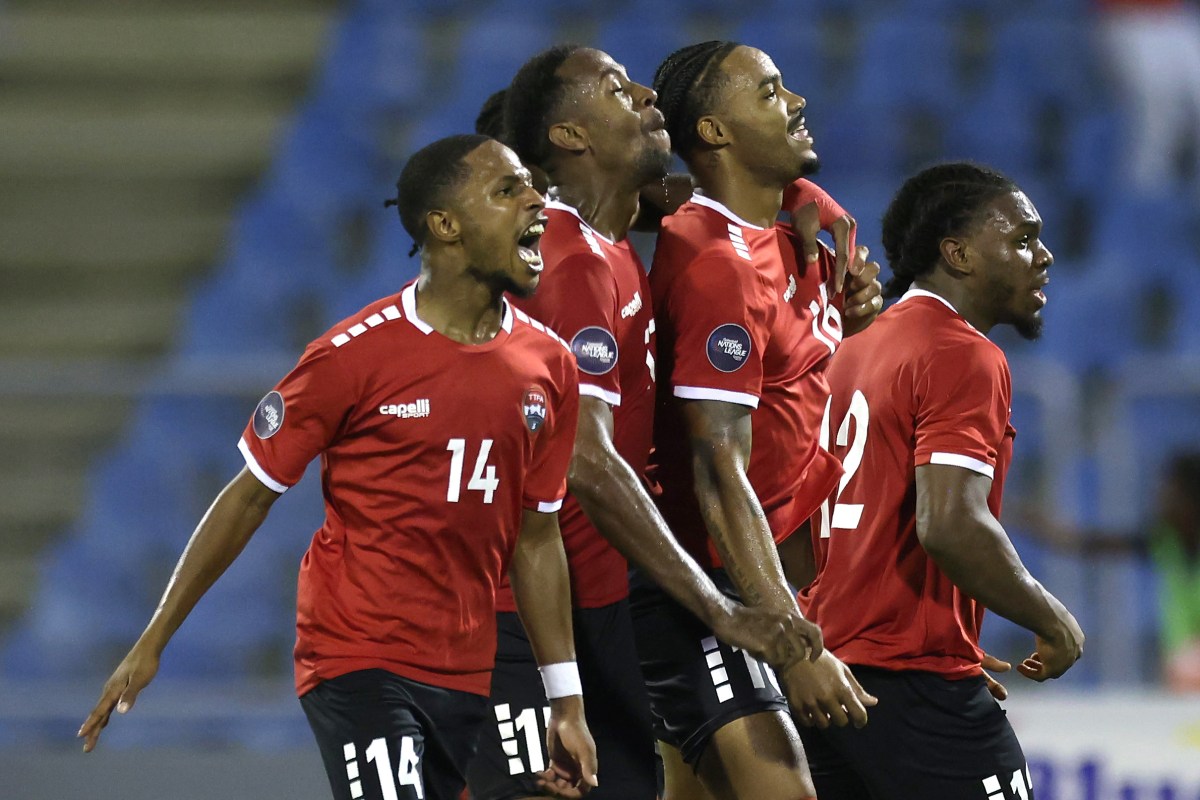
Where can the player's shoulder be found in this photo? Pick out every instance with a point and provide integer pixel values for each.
(692, 231)
(569, 238)
(538, 337)
(357, 331)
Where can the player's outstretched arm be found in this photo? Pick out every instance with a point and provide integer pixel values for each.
(231, 520)
(617, 503)
(959, 532)
(541, 588)
(822, 691)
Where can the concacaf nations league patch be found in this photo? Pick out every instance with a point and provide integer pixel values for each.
(534, 409)
(595, 349)
(268, 417)
(728, 347)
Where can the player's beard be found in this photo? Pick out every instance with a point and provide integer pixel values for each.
(1029, 327)
(651, 165)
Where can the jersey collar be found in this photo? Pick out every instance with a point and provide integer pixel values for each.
(560, 206)
(408, 299)
(915, 292)
(723, 210)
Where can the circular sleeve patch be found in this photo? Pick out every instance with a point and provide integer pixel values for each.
(595, 349)
(268, 417)
(728, 347)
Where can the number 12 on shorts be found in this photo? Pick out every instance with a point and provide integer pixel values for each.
(845, 516)
(408, 773)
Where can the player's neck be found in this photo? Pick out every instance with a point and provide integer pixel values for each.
(602, 199)
(957, 294)
(459, 307)
(742, 193)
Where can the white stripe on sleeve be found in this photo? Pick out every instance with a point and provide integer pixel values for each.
(258, 471)
(966, 462)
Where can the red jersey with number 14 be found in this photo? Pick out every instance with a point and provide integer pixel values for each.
(742, 318)
(593, 293)
(920, 386)
(430, 452)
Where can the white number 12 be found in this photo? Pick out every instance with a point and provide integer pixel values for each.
(846, 516)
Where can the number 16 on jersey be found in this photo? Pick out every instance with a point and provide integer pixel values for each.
(835, 514)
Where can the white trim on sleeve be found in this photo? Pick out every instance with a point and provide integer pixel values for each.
(612, 398)
(966, 462)
(704, 393)
(258, 471)
(549, 508)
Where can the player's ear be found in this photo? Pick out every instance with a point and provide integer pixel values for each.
(443, 225)
(712, 131)
(568, 136)
(956, 256)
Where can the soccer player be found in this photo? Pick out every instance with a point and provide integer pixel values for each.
(747, 323)
(575, 114)
(445, 421)
(910, 547)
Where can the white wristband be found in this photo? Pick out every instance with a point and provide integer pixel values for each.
(561, 680)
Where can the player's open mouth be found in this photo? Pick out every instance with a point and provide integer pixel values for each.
(797, 131)
(1039, 294)
(528, 245)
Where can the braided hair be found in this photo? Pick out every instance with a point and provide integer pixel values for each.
(686, 84)
(937, 202)
(428, 179)
(533, 96)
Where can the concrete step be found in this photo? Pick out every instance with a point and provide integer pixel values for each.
(161, 43)
(124, 325)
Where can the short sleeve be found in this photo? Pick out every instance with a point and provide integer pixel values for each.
(720, 331)
(298, 419)
(546, 480)
(578, 301)
(962, 408)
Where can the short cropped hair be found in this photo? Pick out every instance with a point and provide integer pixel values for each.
(533, 97)
(429, 179)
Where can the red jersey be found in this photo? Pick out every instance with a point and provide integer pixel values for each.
(742, 318)
(920, 386)
(430, 450)
(593, 292)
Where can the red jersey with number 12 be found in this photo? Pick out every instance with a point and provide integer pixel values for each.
(594, 294)
(920, 386)
(430, 452)
(742, 318)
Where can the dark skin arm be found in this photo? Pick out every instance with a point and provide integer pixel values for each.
(234, 516)
(823, 691)
(959, 532)
(542, 590)
(617, 503)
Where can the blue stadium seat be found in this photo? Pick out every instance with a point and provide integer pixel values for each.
(994, 127)
(908, 61)
(495, 45)
(1089, 325)
(640, 41)
(1092, 152)
(1046, 58)
(375, 65)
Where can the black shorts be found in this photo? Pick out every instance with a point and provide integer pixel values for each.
(512, 745)
(697, 684)
(928, 737)
(374, 727)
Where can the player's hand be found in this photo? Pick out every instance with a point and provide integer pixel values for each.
(864, 293)
(995, 687)
(1053, 657)
(776, 637)
(120, 692)
(572, 771)
(807, 223)
(825, 692)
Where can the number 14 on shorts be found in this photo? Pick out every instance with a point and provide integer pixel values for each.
(407, 778)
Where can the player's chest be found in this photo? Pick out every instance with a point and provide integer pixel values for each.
(504, 401)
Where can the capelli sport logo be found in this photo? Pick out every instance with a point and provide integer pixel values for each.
(268, 417)
(533, 407)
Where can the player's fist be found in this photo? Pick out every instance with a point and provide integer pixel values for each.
(131, 676)
(572, 751)
(1054, 655)
(825, 692)
(776, 637)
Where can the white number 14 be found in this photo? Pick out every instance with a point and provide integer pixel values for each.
(483, 478)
